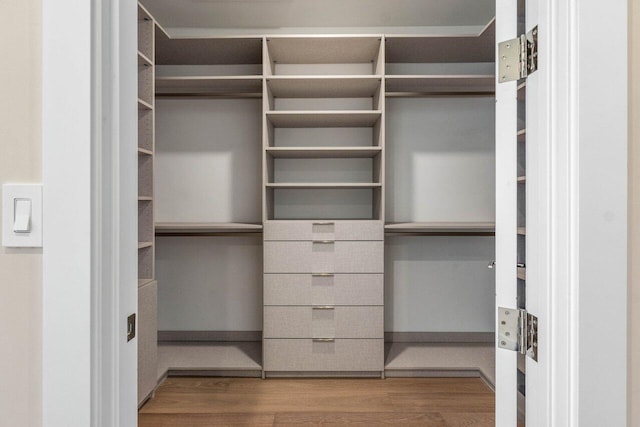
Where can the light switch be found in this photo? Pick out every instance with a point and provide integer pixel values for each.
(22, 215)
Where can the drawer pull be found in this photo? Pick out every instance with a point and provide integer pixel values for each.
(324, 242)
(323, 339)
(323, 307)
(324, 223)
(322, 275)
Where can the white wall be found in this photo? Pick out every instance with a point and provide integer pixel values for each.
(20, 161)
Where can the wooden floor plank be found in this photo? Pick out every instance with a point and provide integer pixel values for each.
(205, 420)
(359, 419)
(443, 402)
(469, 419)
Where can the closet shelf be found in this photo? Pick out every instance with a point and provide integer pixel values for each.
(522, 135)
(144, 245)
(522, 231)
(351, 49)
(324, 119)
(441, 227)
(522, 179)
(522, 85)
(188, 86)
(323, 152)
(145, 198)
(145, 151)
(242, 357)
(182, 228)
(144, 105)
(522, 273)
(319, 185)
(208, 51)
(142, 282)
(324, 86)
(143, 60)
(442, 48)
(425, 85)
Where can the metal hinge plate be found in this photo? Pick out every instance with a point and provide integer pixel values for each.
(517, 58)
(518, 331)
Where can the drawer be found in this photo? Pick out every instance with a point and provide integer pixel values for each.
(340, 355)
(323, 289)
(323, 322)
(324, 257)
(323, 230)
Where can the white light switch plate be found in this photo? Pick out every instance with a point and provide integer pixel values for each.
(11, 193)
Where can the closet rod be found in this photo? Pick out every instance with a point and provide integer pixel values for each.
(437, 94)
(203, 95)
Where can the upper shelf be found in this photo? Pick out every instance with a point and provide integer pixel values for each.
(437, 84)
(323, 185)
(208, 51)
(441, 227)
(323, 119)
(442, 49)
(208, 85)
(323, 49)
(182, 228)
(323, 152)
(324, 86)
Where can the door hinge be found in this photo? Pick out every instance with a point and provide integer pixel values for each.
(518, 331)
(517, 58)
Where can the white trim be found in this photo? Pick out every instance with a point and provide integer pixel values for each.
(66, 155)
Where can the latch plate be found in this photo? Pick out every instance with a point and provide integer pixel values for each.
(518, 331)
(518, 57)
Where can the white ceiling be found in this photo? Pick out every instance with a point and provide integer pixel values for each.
(319, 13)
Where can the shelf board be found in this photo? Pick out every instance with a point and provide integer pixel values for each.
(324, 86)
(142, 282)
(209, 85)
(351, 49)
(442, 48)
(522, 273)
(319, 185)
(522, 179)
(182, 228)
(441, 227)
(143, 60)
(143, 245)
(522, 135)
(441, 84)
(415, 359)
(522, 85)
(145, 151)
(144, 105)
(323, 152)
(322, 119)
(522, 231)
(208, 51)
(209, 356)
(145, 198)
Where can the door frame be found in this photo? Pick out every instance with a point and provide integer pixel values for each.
(89, 156)
(90, 221)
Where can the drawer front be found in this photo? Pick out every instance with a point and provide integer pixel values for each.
(324, 257)
(323, 322)
(341, 355)
(330, 289)
(324, 230)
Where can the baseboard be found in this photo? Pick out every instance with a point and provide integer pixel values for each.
(440, 337)
(213, 336)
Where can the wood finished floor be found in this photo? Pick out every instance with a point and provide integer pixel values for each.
(427, 402)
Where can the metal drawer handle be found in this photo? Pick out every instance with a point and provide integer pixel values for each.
(323, 307)
(324, 223)
(323, 339)
(322, 274)
(324, 242)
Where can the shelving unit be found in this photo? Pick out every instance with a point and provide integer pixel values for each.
(186, 228)
(442, 227)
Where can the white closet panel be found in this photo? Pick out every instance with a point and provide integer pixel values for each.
(209, 283)
(440, 159)
(439, 284)
(208, 160)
